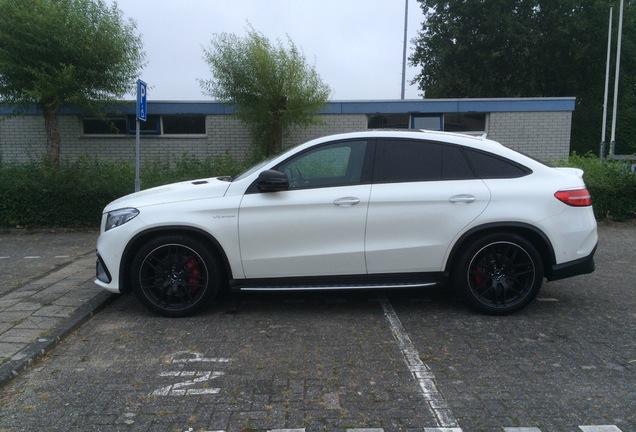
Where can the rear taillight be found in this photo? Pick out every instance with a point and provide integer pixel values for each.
(575, 197)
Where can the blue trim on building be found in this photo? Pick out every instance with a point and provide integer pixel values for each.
(424, 106)
(419, 106)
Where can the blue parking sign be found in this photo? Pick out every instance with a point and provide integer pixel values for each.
(142, 92)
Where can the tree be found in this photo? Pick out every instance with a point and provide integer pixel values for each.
(527, 48)
(55, 53)
(271, 86)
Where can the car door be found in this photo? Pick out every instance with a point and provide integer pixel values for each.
(424, 194)
(316, 227)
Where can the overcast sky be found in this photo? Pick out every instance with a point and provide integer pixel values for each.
(355, 45)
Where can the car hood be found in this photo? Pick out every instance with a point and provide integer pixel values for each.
(170, 193)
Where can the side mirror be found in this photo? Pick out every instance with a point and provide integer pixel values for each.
(272, 181)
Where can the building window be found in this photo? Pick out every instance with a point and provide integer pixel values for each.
(465, 122)
(106, 126)
(154, 125)
(430, 121)
(183, 124)
(471, 123)
(388, 121)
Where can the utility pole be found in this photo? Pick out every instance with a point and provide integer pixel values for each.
(406, 16)
(618, 66)
(607, 71)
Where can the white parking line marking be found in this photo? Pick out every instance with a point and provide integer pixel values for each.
(420, 371)
(62, 256)
(442, 429)
(607, 428)
(31, 257)
(287, 430)
(196, 358)
(199, 377)
(521, 429)
(196, 377)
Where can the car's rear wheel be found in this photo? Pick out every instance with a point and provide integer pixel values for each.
(499, 273)
(175, 276)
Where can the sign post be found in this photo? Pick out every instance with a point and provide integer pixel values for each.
(142, 93)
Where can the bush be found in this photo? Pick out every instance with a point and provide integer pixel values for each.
(38, 194)
(612, 185)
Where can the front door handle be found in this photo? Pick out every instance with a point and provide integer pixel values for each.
(347, 201)
(464, 198)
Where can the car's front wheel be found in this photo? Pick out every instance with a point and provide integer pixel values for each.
(499, 273)
(175, 276)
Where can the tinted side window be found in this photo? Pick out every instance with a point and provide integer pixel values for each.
(490, 166)
(407, 161)
(455, 166)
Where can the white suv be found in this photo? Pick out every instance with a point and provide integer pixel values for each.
(375, 209)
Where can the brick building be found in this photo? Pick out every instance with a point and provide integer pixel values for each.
(539, 127)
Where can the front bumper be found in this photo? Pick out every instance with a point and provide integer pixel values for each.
(102, 273)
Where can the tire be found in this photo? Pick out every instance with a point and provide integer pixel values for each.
(499, 274)
(175, 276)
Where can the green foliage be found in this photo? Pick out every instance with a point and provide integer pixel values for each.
(188, 167)
(41, 194)
(73, 195)
(529, 48)
(272, 86)
(55, 53)
(60, 52)
(611, 184)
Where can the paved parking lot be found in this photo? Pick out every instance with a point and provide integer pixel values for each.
(367, 361)
(27, 255)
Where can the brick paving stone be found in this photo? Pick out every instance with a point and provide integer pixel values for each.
(23, 306)
(54, 311)
(20, 335)
(333, 366)
(38, 322)
(8, 349)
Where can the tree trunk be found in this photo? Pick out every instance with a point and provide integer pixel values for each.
(274, 144)
(275, 135)
(53, 137)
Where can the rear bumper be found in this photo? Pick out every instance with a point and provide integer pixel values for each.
(577, 267)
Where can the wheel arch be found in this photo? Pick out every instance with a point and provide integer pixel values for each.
(532, 234)
(143, 237)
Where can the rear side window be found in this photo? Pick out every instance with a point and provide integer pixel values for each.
(399, 161)
(455, 166)
(487, 165)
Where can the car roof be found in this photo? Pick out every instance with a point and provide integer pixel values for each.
(418, 134)
(472, 141)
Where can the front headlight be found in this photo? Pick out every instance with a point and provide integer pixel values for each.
(119, 217)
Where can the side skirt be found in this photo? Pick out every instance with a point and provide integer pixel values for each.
(348, 282)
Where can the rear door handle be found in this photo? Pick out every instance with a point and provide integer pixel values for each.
(347, 201)
(463, 198)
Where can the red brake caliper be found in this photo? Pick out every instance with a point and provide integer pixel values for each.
(193, 280)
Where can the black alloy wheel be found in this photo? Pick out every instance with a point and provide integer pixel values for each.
(175, 276)
(499, 274)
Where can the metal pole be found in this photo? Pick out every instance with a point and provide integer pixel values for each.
(607, 71)
(137, 181)
(406, 15)
(618, 64)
